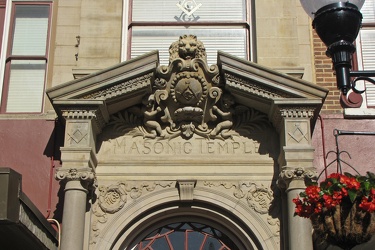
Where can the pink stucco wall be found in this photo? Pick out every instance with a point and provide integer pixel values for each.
(360, 148)
(27, 147)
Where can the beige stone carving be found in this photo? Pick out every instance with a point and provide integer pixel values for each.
(187, 47)
(288, 174)
(298, 132)
(113, 198)
(122, 88)
(186, 189)
(73, 174)
(77, 134)
(257, 196)
(187, 99)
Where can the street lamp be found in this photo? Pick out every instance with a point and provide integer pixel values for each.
(337, 24)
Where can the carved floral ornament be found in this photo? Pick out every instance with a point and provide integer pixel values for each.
(187, 99)
(258, 197)
(113, 198)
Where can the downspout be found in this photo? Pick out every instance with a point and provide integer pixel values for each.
(52, 167)
(323, 144)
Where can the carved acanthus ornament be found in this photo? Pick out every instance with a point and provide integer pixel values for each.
(289, 174)
(258, 197)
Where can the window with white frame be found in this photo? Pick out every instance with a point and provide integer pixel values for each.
(366, 48)
(219, 24)
(24, 58)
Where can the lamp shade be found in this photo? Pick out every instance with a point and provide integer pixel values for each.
(312, 6)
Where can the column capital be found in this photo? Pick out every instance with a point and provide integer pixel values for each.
(294, 178)
(293, 108)
(86, 176)
(75, 174)
(83, 110)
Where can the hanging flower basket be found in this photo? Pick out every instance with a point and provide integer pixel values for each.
(341, 208)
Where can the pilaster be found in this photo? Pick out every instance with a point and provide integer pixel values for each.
(83, 119)
(293, 121)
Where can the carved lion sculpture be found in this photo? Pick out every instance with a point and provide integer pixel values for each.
(187, 47)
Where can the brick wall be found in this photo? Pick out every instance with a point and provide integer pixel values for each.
(325, 77)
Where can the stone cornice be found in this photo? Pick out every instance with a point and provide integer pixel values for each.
(265, 78)
(250, 87)
(104, 80)
(135, 84)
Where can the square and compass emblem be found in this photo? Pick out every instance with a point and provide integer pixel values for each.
(188, 7)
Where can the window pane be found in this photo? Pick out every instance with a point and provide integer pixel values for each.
(30, 30)
(26, 86)
(202, 10)
(368, 60)
(368, 11)
(230, 40)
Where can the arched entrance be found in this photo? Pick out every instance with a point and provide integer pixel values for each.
(187, 228)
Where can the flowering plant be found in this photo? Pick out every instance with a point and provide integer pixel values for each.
(335, 190)
(341, 208)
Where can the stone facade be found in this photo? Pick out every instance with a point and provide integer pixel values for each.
(187, 135)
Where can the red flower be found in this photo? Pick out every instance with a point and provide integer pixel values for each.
(367, 204)
(313, 193)
(334, 176)
(335, 190)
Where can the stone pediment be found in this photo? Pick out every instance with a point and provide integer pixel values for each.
(187, 96)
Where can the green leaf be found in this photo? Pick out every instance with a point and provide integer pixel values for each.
(371, 175)
(352, 195)
(348, 174)
(366, 185)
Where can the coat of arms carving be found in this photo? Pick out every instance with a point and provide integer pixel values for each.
(187, 99)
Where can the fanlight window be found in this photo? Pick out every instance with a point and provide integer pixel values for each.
(186, 236)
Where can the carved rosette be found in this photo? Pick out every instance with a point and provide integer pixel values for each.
(112, 198)
(288, 175)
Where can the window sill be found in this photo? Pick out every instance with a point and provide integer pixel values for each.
(49, 115)
(359, 112)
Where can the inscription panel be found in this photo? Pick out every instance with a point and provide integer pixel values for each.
(126, 150)
(196, 146)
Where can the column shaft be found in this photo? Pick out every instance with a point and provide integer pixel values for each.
(73, 225)
(299, 229)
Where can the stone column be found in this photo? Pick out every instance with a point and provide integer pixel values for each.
(76, 190)
(299, 229)
(83, 121)
(296, 164)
